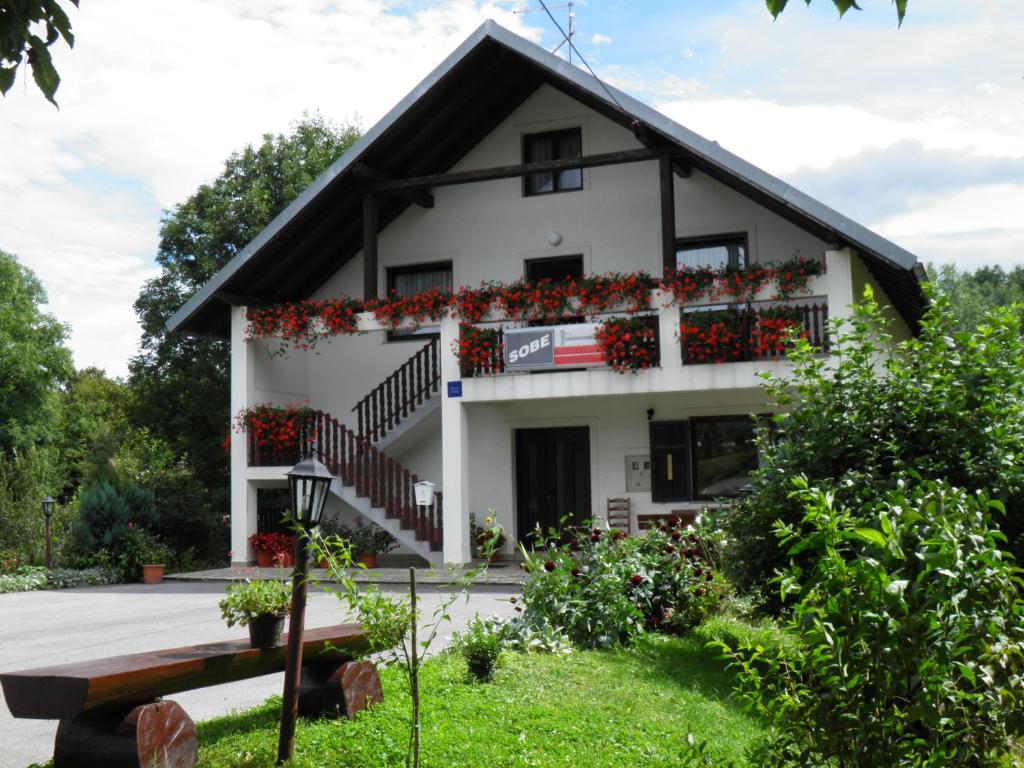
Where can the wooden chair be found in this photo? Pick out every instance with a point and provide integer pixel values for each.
(618, 514)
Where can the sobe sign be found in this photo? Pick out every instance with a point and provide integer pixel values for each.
(554, 346)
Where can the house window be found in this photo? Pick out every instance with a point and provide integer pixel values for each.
(724, 455)
(557, 268)
(552, 145)
(715, 252)
(408, 281)
(702, 458)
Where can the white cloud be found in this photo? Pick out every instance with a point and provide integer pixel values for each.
(599, 39)
(154, 97)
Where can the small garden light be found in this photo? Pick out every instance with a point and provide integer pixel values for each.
(308, 482)
(48, 504)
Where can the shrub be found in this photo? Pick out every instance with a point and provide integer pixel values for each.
(602, 587)
(249, 599)
(27, 579)
(480, 645)
(734, 634)
(946, 405)
(911, 634)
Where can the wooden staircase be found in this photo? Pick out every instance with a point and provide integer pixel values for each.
(396, 399)
(374, 484)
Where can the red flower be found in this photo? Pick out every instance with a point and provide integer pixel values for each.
(636, 578)
(549, 566)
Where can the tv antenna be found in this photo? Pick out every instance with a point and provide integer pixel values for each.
(572, 23)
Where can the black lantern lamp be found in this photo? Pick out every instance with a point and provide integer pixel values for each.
(48, 503)
(308, 483)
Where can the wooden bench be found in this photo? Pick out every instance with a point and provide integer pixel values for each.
(112, 713)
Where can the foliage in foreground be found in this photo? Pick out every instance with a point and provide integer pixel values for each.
(946, 405)
(29, 579)
(603, 588)
(592, 710)
(911, 634)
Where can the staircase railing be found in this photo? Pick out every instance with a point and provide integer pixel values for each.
(359, 465)
(399, 394)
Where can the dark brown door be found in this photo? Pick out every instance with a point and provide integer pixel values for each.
(552, 478)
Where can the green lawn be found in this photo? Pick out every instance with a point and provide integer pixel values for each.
(596, 709)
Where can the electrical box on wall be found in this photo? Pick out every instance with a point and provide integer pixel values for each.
(638, 473)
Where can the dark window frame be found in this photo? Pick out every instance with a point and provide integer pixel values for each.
(555, 175)
(389, 275)
(711, 241)
(549, 259)
(695, 420)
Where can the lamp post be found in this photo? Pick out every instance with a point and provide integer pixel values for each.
(48, 503)
(308, 483)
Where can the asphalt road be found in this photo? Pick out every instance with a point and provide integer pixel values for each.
(53, 627)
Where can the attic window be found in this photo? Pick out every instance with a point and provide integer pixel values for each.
(716, 252)
(553, 145)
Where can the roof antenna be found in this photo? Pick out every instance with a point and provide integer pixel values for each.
(567, 38)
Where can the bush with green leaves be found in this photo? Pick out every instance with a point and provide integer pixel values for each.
(104, 514)
(31, 578)
(480, 644)
(246, 600)
(911, 636)
(734, 633)
(947, 405)
(601, 587)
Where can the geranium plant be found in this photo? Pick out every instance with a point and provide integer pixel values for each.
(272, 542)
(278, 428)
(629, 344)
(479, 349)
(249, 600)
(713, 336)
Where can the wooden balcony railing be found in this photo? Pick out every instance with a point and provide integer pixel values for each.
(743, 332)
(400, 393)
(359, 465)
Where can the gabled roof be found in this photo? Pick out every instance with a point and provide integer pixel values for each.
(472, 91)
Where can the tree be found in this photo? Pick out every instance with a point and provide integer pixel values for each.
(19, 42)
(93, 421)
(33, 359)
(775, 7)
(972, 295)
(180, 383)
(947, 405)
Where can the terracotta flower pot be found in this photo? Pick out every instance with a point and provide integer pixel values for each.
(152, 574)
(265, 559)
(369, 559)
(265, 631)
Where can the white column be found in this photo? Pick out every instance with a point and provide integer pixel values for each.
(454, 455)
(243, 492)
(671, 358)
(837, 282)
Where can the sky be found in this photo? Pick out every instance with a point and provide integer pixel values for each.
(916, 132)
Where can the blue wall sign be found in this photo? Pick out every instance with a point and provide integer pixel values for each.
(454, 389)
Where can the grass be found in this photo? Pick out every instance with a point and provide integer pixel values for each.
(591, 709)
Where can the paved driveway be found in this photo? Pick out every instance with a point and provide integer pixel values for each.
(54, 627)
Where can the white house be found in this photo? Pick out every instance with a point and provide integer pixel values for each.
(507, 163)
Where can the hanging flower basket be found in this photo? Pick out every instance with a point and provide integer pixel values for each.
(628, 344)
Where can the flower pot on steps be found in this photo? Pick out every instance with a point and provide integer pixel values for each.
(369, 559)
(153, 573)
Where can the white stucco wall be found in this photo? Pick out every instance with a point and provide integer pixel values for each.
(618, 428)
(487, 230)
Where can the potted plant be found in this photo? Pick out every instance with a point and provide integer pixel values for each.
(260, 605)
(367, 541)
(489, 537)
(273, 549)
(154, 555)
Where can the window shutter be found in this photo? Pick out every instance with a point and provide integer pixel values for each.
(670, 461)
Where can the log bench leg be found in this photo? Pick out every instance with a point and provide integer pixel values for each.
(332, 690)
(155, 735)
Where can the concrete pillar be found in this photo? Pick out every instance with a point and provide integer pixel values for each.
(243, 492)
(837, 282)
(456, 546)
(668, 333)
